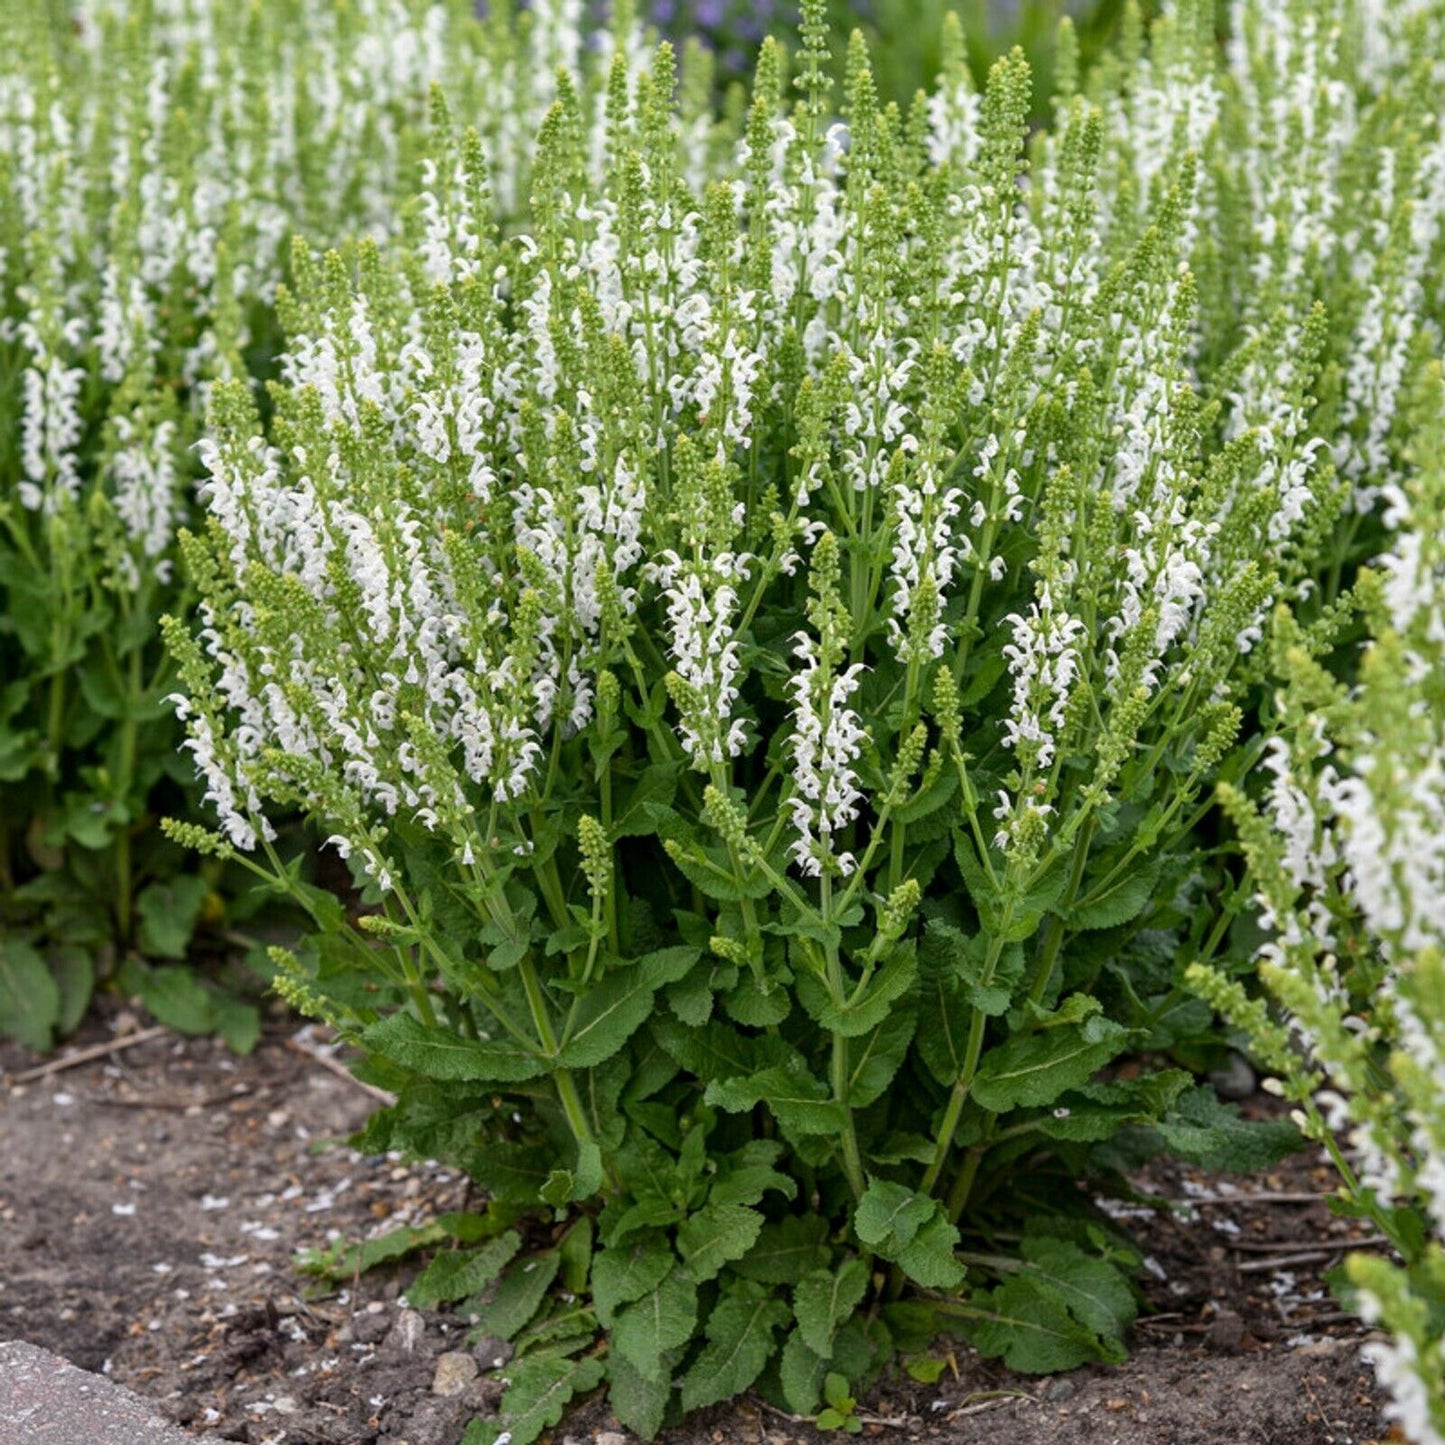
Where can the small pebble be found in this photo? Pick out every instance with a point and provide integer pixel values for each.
(405, 1335)
(492, 1353)
(455, 1371)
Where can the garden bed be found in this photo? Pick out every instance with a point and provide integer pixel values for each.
(151, 1203)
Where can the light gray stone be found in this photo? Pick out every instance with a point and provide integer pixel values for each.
(45, 1400)
(455, 1372)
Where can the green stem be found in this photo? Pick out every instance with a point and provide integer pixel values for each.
(852, 1161)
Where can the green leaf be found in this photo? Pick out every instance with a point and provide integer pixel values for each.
(716, 1051)
(1028, 1324)
(787, 1249)
(911, 1230)
(739, 1343)
(1204, 1131)
(237, 1022)
(1035, 1068)
(581, 1181)
(459, 1273)
(611, 1012)
(825, 1298)
(575, 1255)
(441, 1054)
(800, 1102)
(891, 982)
(542, 1385)
(30, 999)
(890, 1211)
(962, 963)
(638, 1402)
(716, 1234)
(928, 1259)
(178, 999)
(168, 912)
(663, 1319)
(75, 977)
(518, 1295)
(1097, 1294)
(343, 1261)
(1121, 901)
(873, 1062)
(627, 1271)
(801, 1372)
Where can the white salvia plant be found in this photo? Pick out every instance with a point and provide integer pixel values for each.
(1347, 850)
(764, 589)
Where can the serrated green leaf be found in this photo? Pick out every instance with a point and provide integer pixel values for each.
(801, 1372)
(541, 1387)
(29, 996)
(1028, 1325)
(825, 1298)
(343, 1261)
(928, 1258)
(458, 1273)
(518, 1295)
(716, 1234)
(1097, 1294)
(749, 1005)
(581, 1181)
(874, 1061)
(716, 1051)
(638, 1402)
(891, 982)
(168, 912)
(739, 1344)
(962, 962)
(890, 1211)
(441, 1054)
(178, 999)
(787, 1249)
(626, 1272)
(664, 1318)
(748, 1184)
(1204, 1131)
(612, 1011)
(800, 1102)
(1034, 1069)
(1121, 901)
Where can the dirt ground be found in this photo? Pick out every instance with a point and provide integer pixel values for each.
(151, 1202)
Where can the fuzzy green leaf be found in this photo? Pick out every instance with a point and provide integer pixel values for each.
(1028, 1324)
(1205, 1131)
(626, 1272)
(441, 1054)
(29, 996)
(541, 1387)
(664, 1318)
(716, 1234)
(611, 1012)
(518, 1295)
(739, 1343)
(825, 1298)
(459, 1273)
(1034, 1069)
(801, 1372)
(799, 1102)
(786, 1250)
(1097, 1293)
(890, 983)
(638, 1402)
(168, 912)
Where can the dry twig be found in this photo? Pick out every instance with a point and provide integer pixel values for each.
(85, 1056)
(340, 1070)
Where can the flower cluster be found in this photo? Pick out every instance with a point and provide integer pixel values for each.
(786, 515)
(1348, 853)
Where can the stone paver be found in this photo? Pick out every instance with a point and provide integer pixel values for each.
(45, 1400)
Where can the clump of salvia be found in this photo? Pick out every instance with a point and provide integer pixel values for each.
(764, 621)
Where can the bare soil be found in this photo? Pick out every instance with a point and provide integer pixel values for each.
(151, 1204)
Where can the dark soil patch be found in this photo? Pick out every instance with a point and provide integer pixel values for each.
(151, 1203)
